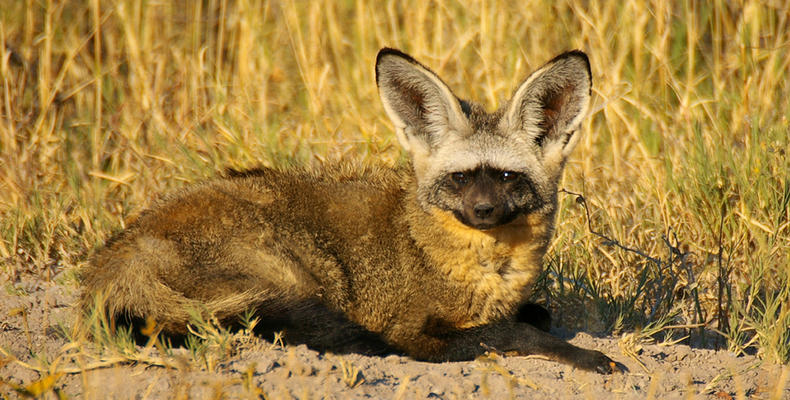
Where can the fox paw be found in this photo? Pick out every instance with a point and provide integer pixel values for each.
(597, 362)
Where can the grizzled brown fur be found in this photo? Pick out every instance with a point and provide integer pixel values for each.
(432, 259)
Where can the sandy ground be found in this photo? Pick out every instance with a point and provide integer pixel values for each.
(33, 311)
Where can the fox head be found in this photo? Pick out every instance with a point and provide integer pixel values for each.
(487, 169)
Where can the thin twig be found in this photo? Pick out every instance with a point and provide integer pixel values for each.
(607, 240)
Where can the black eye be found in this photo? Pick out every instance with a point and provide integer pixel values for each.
(508, 176)
(459, 178)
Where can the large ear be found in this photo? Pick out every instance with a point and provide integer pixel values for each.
(421, 106)
(551, 103)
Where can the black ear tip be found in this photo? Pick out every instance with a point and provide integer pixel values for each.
(577, 54)
(387, 52)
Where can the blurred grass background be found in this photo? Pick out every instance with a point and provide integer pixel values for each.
(105, 104)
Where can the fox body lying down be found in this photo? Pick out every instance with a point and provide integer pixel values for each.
(432, 259)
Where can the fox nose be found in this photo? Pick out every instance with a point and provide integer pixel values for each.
(483, 210)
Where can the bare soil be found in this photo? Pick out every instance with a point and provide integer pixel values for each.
(34, 312)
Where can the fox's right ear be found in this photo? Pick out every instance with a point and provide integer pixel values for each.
(422, 107)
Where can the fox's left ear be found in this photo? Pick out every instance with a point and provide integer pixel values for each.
(551, 103)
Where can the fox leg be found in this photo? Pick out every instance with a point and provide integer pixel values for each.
(535, 315)
(310, 322)
(509, 337)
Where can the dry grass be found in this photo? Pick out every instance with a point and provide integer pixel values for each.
(684, 159)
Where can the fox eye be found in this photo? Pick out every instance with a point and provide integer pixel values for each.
(459, 178)
(508, 176)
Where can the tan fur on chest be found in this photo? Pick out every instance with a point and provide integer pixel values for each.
(493, 270)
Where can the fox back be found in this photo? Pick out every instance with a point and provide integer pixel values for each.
(432, 259)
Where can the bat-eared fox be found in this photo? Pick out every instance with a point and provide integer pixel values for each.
(434, 259)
